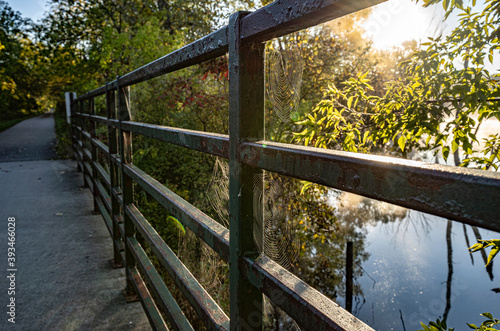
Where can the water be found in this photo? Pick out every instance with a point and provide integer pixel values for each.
(407, 280)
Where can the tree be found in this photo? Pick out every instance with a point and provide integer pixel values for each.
(437, 104)
(18, 89)
(300, 67)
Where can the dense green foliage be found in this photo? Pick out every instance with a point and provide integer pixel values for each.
(439, 103)
(18, 92)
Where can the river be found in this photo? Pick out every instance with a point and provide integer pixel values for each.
(407, 278)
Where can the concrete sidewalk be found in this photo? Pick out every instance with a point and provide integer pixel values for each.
(63, 276)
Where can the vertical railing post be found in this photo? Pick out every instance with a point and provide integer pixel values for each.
(73, 130)
(68, 97)
(113, 176)
(127, 186)
(83, 140)
(77, 136)
(349, 276)
(93, 152)
(246, 123)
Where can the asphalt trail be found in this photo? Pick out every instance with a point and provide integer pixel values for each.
(30, 140)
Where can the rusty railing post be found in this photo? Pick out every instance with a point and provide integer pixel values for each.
(93, 153)
(83, 141)
(114, 190)
(73, 130)
(125, 140)
(246, 123)
(77, 136)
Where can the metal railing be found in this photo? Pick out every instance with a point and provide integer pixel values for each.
(465, 195)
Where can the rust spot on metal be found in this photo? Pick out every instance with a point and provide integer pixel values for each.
(204, 143)
(429, 181)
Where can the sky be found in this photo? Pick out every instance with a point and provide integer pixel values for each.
(395, 21)
(33, 9)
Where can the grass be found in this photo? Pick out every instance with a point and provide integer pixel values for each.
(63, 147)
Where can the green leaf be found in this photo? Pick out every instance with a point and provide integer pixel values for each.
(472, 326)
(349, 102)
(365, 136)
(295, 116)
(428, 140)
(494, 251)
(177, 224)
(476, 247)
(454, 145)
(425, 327)
(305, 187)
(402, 142)
(446, 152)
(487, 315)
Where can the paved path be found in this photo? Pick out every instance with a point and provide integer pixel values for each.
(33, 139)
(63, 278)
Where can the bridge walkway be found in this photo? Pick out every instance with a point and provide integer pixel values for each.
(63, 276)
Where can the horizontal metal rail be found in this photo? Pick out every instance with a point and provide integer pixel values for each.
(215, 235)
(307, 306)
(102, 172)
(95, 118)
(101, 146)
(208, 310)
(206, 48)
(88, 156)
(104, 195)
(105, 214)
(211, 143)
(431, 188)
(147, 301)
(88, 181)
(283, 17)
(166, 301)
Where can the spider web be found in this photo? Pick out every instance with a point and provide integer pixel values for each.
(218, 191)
(284, 80)
(274, 230)
(279, 241)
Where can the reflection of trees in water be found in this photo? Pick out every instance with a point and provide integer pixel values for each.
(325, 222)
(449, 247)
(416, 223)
(364, 211)
(449, 254)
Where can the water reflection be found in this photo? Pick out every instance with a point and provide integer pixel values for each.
(418, 268)
(450, 270)
(409, 267)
